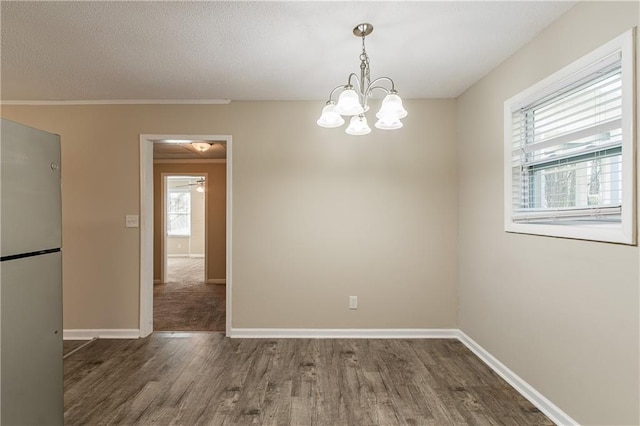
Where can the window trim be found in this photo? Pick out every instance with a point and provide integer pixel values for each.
(625, 232)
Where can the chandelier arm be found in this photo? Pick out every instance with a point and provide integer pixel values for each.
(359, 90)
(371, 85)
(334, 91)
(353, 75)
(384, 89)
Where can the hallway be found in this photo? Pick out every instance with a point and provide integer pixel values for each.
(186, 303)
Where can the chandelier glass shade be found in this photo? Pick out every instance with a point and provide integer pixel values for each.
(358, 126)
(354, 100)
(330, 118)
(391, 124)
(349, 103)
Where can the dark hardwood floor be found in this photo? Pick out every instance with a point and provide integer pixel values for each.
(69, 346)
(206, 378)
(186, 303)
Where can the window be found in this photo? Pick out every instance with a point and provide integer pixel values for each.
(179, 212)
(569, 150)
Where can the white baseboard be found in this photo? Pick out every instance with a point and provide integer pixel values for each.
(88, 334)
(343, 333)
(216, 281)
(552, 411)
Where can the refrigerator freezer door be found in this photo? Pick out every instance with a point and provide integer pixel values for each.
(31, 325)
(30, 179)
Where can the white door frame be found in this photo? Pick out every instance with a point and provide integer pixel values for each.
(163, 225)
(146, 225)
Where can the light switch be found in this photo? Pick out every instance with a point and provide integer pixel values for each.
(131, 221)
(353, 302)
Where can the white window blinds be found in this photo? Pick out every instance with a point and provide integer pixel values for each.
(567, 150)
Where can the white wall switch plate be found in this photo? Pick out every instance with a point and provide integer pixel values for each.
(132, 221)
(353, 302)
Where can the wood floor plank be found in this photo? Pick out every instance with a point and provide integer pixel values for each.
(384, 408)
(327, 393)
(301, 410)
(248, 408)
(277, 403)
(208, 379)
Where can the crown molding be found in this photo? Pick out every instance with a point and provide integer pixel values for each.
(123, 102)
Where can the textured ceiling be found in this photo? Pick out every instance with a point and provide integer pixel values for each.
(160, 50)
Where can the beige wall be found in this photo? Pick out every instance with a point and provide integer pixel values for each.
(176, 246)
(197, 240)
(217, 214)
(317, 215)
(563, 314)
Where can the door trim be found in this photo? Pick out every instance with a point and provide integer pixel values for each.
(146, 225)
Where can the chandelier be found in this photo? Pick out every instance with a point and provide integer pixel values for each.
(354, 100)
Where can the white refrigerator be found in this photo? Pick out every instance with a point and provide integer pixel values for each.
(31, 373)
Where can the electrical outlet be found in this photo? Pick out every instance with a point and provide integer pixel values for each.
(353, 302)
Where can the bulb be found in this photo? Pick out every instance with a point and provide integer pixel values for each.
(358, 126)
(329, 118)
(391, 108)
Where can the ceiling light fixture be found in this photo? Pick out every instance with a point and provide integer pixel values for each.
(201, 146)
(354, 101)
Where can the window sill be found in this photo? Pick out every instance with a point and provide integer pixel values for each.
(600, 232)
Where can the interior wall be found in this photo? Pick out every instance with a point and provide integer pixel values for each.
(197, 240)
(562, 314)
(318, 215)
(217, 214)
(177, 247)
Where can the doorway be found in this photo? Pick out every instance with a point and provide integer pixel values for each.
(217, 263)
(184, 228)
(183, 300)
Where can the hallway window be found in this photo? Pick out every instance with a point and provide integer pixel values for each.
(179, 213)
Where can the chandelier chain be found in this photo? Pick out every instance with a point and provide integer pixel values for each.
(364, 57)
